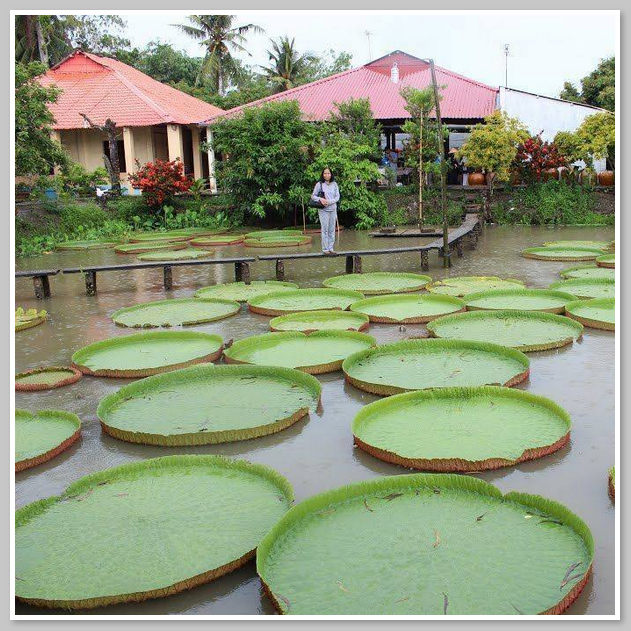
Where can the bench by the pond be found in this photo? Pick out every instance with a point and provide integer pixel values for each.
(469, 228)
(241, 270)
(41, 284)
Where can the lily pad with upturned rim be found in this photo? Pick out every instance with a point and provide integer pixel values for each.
(144, 530)
(461, 429)
(575, 253)
(175, 312)
(460, 286)
(587, 271)
(144, 354)
(277, 242)
(241, 292)
(175, 255)
(597, 313)
(46, 378)
(268, 234)
(599, 245)
(607, 261)
(587, 287)
(375, 283)
(309, 321)
(209, 404)
(524, 330)
(87, 244)
(545, 300)
(408, 308)
(139, 248)
(434, 363)
(317, 353)
(26, 319)
(43, 435)
(425, 544)
(280, 303)
(211, 242)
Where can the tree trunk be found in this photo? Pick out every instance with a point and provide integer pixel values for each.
(420, 175)
(41, 41)
(112, 162)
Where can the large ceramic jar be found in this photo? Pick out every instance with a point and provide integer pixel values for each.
(551, 174)
(477, 179)
(606, 178)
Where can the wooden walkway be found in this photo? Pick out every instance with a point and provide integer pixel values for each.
(470, 228)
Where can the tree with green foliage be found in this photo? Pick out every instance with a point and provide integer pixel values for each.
(327, 64)
(598, 135)
(221, 38)
(598, 88)
(266, 151)
(36, 153)
(287, 66)
(570, 146)
(354, 118)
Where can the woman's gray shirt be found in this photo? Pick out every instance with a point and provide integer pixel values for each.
(331, 192)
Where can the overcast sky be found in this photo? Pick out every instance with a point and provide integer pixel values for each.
(546, 48)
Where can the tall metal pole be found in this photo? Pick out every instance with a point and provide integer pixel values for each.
(441, 153)
(368, 34)
(506, 66)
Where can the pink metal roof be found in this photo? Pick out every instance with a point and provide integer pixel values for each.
(103, 88)
(462, 97)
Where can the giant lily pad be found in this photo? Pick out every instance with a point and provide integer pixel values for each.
(145, 354)
(280, 303)
(425, 544)
(574, 253)
(374, 283)
(461, 429)
(599, 245)
(521, 299)
(139, 248)
(408, 308)
(26, 319)
(524, 330)
(87, 244)
(597, 313)
(144, 530)
(269, 234)
(175, 255)
(434, 363)
(209, 404)
(41, 436)
(606, 261)
(463, 285)
(309, 321)
(280, 241)
(242, 292)
(211, 242)
(176, 312)
(155, 237)
(46, 378)
(588, 271)
(317, 353)
(587, 287)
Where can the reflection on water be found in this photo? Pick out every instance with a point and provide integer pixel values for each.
(317, 453)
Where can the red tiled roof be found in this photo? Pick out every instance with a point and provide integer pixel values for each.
(463, 98)
(103, 88)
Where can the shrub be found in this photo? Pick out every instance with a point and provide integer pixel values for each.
(160, 180)
(535, 156)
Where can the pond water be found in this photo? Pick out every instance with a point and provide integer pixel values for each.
(317, 453)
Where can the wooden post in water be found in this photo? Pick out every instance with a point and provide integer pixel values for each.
(280, 269)
(90, 283)
(168, 277)
(420, 176)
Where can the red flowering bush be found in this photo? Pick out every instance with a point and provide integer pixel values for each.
(160, 180)
(535, 156)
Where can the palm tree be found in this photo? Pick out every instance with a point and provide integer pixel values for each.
(288, 67)
(221, 39)
(41, 38)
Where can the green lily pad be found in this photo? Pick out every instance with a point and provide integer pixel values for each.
(145, 354)
(425, 544)
(241, 292)
(211, 242)
(155, 237)
(317, 353)
(280, 303)
(587, 287)
(139, 248)
(43, 435)
(143, 530)
(374, 283)
(209, 404)
(588, 271)
(461, 429)
(408, 308)
(280, 241)
(463, 285)
(46, 378)
(524, 330)
(175, 255)
(434, 363)
(26, 319)
(599, 245)
(268, 234)
(88, 244)
(597, 313)
(607, 261)
(176, 312)
(521, 299)
(574, 253)
(309, 321)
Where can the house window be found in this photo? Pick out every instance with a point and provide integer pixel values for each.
(121, 154)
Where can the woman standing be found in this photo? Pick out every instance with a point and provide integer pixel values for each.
(328, 194)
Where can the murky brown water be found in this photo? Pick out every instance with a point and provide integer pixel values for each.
(317, 453)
